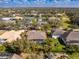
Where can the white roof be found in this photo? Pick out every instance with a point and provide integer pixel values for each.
(6, 18)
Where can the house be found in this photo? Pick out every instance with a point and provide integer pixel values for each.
(2, 41)
(7, 20)
(54, 18)
(18, 17)
(9, 56)
(37, 36)
(15, 56)
(42, 22)
(11, 35)
(57, 33)
(71, 38)
(34, 12)
(29, 20)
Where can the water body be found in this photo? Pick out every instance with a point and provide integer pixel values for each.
(39, 3)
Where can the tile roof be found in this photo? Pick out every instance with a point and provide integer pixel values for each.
(11, 35)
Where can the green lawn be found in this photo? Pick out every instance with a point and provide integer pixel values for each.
(55, 45)
(74, 56)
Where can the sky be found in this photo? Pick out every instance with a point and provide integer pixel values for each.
(39, 3)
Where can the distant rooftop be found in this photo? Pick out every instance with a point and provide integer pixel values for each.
(58, 31)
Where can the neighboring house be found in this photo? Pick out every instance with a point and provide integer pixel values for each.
(6, 19)
(57, 33)
(71, 38)
(37, 36)
(2, 41)
(15, 56)
(29, 20)
(11, 35)
(18, 17)
(9, 56)
(9, 20)
(54, 18)
(33, 12)
(42, 22)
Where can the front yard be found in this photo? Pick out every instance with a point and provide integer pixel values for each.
(74, 56)
(55, 45)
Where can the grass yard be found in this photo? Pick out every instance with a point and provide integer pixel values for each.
(55, 45)
(74, 56)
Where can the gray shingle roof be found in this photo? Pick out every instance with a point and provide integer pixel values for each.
(57, 31)
(73, 36)
(36, 34)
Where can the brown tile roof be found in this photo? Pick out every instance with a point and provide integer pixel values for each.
(11, 35)
(36, 34)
